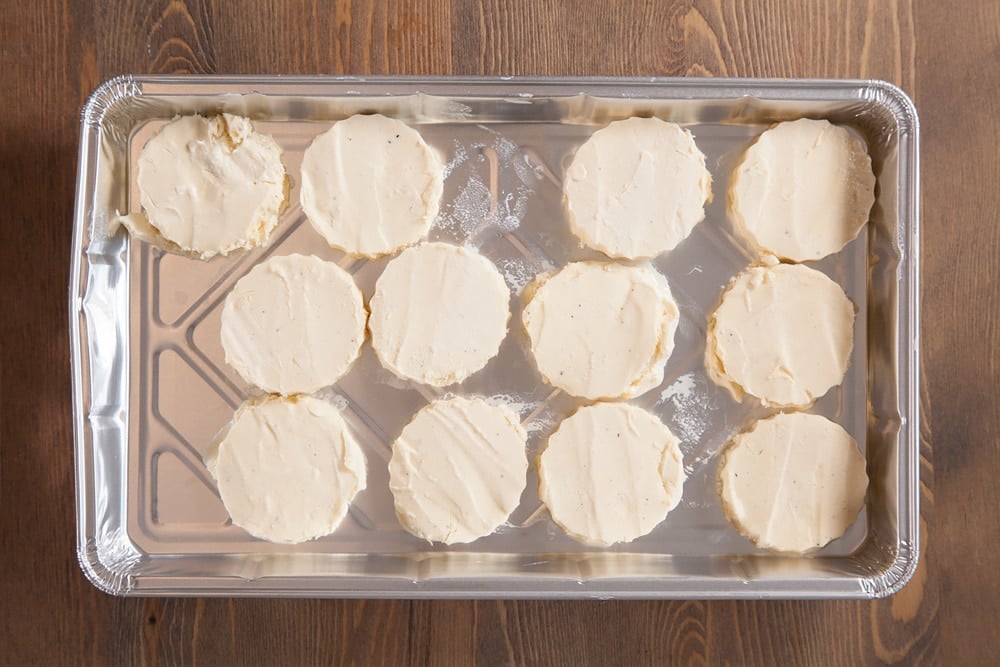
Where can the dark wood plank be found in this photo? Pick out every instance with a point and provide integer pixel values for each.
(959, 64)
(54, 52)
(42, 593)
(161, 37)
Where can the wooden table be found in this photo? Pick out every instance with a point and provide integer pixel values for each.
(54, 53)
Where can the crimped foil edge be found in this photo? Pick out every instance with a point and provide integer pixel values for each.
(106, 97)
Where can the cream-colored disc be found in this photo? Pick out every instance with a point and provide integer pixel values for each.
(610, 473)
(287, 468)
(636, 188)
(439, 313)
(371, 185)
(601, 330)
(803, 190)
(782, 333)
(293, 324)
(208, 186)
(793, 482)
(457, 470)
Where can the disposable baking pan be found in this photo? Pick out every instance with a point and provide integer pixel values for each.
(151, 388)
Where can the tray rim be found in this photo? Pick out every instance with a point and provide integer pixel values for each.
(882, 584)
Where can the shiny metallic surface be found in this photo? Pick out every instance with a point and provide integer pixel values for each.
(150, 386)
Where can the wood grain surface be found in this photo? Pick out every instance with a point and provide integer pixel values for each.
(947, 56)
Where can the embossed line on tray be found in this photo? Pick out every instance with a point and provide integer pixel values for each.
(155, 397)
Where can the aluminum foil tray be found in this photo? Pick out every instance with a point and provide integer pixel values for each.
(150, 387)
